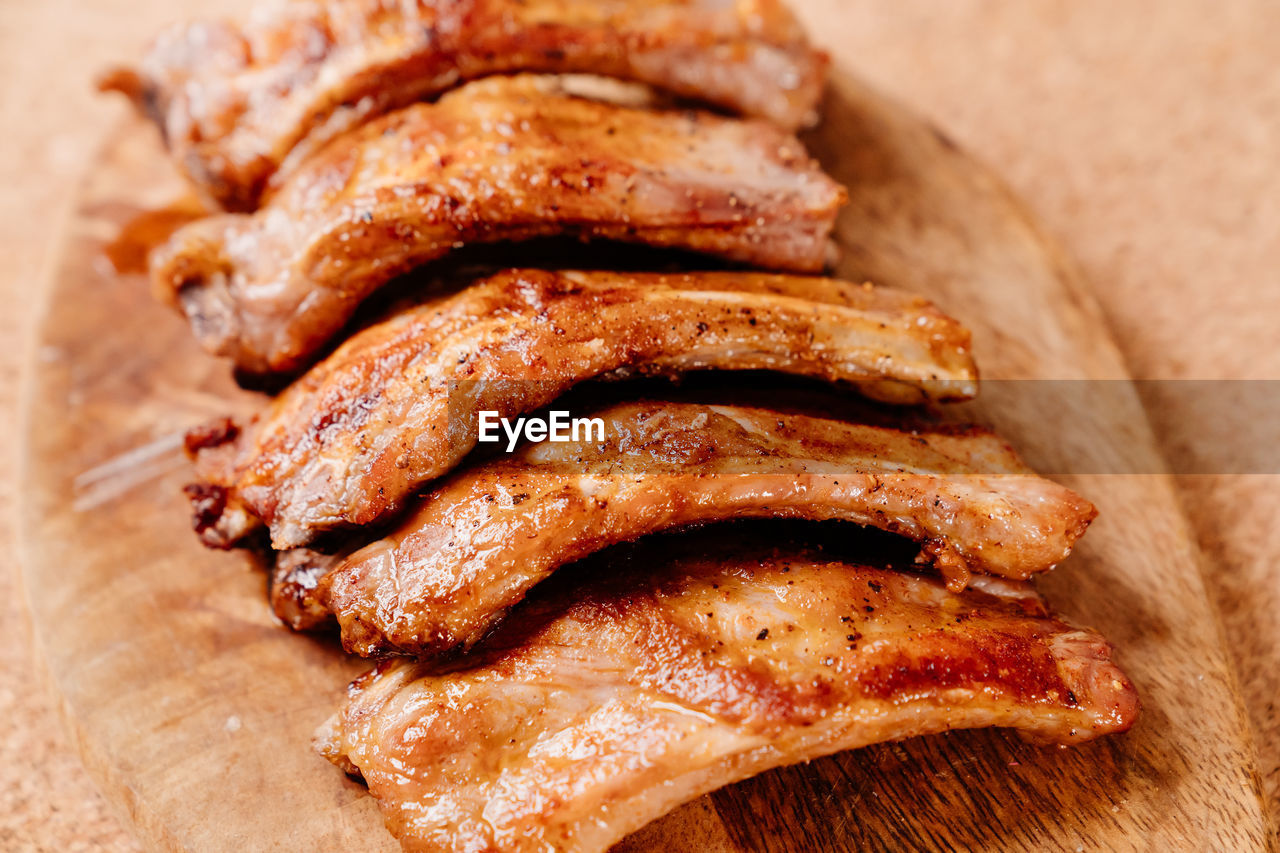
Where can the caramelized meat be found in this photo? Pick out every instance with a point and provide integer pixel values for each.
(478, 543)
(502, 159)
(294, 589)
(594, 710)
(238, 103)
(397, 405)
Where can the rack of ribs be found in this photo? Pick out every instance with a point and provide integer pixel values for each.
(601, 705)
(397, 405)
(503, 159)
(239, 106)
(478, 542)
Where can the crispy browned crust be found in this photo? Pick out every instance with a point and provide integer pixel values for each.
(602, 706)
(501, 159)
(478, 543)
(396, 406)
(237, 103)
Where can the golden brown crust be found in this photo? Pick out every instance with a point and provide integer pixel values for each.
(237, 103)
(480, 541)
(598, 708)
(501, 159)
(396, 406)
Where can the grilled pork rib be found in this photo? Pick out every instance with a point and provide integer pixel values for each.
(397, 405)
(480, 541)
(501, 159)
(602, 706)
(236, 104)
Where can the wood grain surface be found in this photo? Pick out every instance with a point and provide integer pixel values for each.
(194, 708)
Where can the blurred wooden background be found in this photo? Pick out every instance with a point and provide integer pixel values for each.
(1144, 134)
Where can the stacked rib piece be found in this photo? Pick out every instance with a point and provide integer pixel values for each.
(545, 686)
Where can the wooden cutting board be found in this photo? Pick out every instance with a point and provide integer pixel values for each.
(194, 709)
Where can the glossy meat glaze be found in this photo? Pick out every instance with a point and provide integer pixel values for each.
(397, 405)
(501, 159)
(481, 540)
(594, 710)
(240, 105)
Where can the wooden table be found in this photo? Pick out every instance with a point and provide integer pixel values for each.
(1146, 135)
